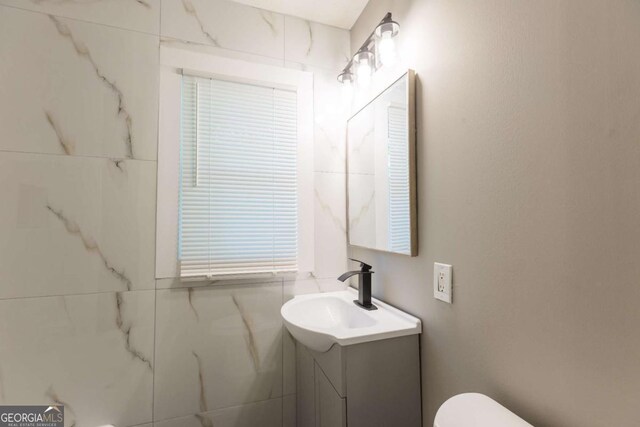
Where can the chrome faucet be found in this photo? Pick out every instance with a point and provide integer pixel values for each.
(364, 285)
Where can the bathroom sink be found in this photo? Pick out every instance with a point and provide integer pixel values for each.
(321, 320)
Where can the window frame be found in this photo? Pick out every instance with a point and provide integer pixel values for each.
(174, 62)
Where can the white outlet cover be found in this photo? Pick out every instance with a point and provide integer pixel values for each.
(442, 284)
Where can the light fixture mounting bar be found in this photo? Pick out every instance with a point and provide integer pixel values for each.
(369, 43)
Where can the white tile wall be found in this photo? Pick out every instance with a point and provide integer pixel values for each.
(75, 88)
(78, 150)
(260, 414)
(330, 225)
(220, 52)
(217, 347)
(138, 15)
(94, 353)
(225, 25)
(75, 225)
(331, 110)
(312, 285)
(316, 44)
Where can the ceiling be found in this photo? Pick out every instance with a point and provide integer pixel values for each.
(339, 13)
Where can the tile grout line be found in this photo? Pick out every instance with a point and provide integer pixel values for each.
(243, 52)
(155, 258)
(75, 294)
(156, 289)
(84, 21)
(161, 36)
(284, 42)
(155, 361)
(78, 156)
(219, 409)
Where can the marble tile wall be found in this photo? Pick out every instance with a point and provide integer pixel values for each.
(92, 352)
(90, 90)
(87, 323)
(201, 330)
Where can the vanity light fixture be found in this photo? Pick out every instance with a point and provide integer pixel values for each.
(346, 77)
(386, 32)
(365, 64)
(377, 50)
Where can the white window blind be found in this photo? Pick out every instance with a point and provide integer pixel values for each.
(399, 209)
(238, 169)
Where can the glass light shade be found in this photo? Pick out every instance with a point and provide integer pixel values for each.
(364, 61)
(387, 49)
(346, 92)
(364, 74)
(346, 77)
(387, 27)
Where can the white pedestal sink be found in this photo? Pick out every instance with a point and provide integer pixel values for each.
(321, 320)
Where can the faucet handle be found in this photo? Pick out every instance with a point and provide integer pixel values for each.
(363, 265)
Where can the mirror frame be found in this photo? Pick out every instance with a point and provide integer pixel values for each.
(411, 132)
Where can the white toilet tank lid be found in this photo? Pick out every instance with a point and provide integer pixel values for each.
(476, 410)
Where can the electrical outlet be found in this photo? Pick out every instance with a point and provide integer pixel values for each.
(442, 282)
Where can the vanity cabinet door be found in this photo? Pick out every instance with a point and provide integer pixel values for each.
(318, 402)
(306, 388)
(331, 409)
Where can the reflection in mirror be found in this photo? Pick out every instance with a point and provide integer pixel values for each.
(381, 171)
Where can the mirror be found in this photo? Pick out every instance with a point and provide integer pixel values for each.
(381, 173)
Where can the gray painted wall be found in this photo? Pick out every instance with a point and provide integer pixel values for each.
(529, 184)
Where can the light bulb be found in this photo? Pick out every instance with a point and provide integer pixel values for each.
(364, 73)
(347, 92)
(387, 49)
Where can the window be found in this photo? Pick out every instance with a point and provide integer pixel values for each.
(238, 201)
(235, 168)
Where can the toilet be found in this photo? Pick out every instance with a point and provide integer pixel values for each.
(476, 410)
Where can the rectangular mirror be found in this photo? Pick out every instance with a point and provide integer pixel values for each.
(381, 171)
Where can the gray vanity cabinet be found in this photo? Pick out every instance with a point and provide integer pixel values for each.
(374, 384)
(331, 408)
